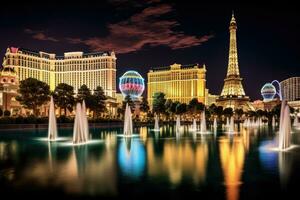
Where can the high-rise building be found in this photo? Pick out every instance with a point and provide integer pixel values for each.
(178, 82)
(290, 89)
(233, 94)
(74, 68)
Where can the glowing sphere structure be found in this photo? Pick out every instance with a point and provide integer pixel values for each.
(268, 91)
(132, 84)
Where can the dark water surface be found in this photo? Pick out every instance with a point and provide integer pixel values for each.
(151, 164)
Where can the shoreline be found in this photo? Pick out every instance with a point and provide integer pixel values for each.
(59, 125)
(70, 125)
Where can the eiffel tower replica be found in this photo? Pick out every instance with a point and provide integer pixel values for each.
(233, 94)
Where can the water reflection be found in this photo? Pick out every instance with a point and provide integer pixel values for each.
(232, 154)
(85, 170)
(131, 157)
(285, 161)
(8, 150)
(178, 160)
(81, 156)
(269, 159)
(8, 154)
(51, 155)
(246, 139)
(143, 134)
(163, 160)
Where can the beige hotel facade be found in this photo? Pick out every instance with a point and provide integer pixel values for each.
(73, 68)
(178, 82)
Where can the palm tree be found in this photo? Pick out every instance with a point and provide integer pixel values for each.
(33, 93)
(128, 100)
(219, 111)
(159, 103)
(228, 112)
(168, 106)
(181, 108)
(195, 107)
(97, 102)
(239, 113)
(63, 96)
(144, 106)
(84, 93)
(172, 107)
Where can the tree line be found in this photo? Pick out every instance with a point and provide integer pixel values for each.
(168, 109)
(34, 93)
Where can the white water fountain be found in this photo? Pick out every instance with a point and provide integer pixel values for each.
(85, 120)
(231, 126)
(245, 123)
(273, 121)
(296, 121)
(177, 124)
(203, 128)
(261, 123)
(80, 135)
(227, 122)
(52, 128)
(215, 124)
(194, 126)
(257, 122)
(283, 104)
(127, 121)
(156, 124)
(248, 122)
(285, 127)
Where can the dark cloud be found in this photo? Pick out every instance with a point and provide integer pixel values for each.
(125, 4)
(40, 35)
(145, 28)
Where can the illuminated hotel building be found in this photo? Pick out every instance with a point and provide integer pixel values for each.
(290, 89)
(178, 82)
(74, 68)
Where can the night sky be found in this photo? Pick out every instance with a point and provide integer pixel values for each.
(155, 33)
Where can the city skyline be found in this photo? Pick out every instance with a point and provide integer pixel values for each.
(164, 30)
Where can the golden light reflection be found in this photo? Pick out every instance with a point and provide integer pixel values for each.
(72, 174)
(143, 134)
(246, 139)
(7, 150)
(285, 163)
(3, 151)
(110, 140)
(232, 154)
(178, 161)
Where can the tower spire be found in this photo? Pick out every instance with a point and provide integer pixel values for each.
(233, 94)
(232, 22)
(233, 66)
